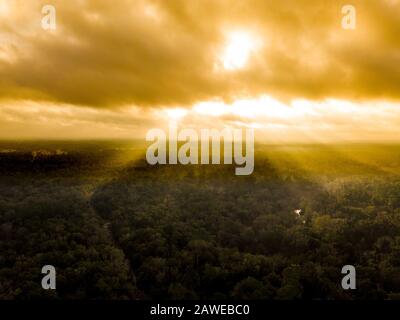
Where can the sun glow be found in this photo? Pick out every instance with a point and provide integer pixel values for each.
(4, 8)
(245, 108)
(240, 45)
(176, 113)
(296, 120)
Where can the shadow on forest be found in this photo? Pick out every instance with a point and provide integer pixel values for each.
(118, 231)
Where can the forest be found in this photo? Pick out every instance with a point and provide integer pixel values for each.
(115, 227)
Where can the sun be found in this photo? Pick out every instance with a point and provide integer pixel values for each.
(240, 45)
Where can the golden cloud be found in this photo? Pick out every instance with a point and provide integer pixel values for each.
(160, 53)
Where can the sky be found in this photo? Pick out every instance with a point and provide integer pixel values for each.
(116, 69)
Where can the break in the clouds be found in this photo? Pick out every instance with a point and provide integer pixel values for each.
(106, 55)
(274, 121)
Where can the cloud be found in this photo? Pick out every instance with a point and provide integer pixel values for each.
(163, 53)
(299, 121)
(42, 120)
